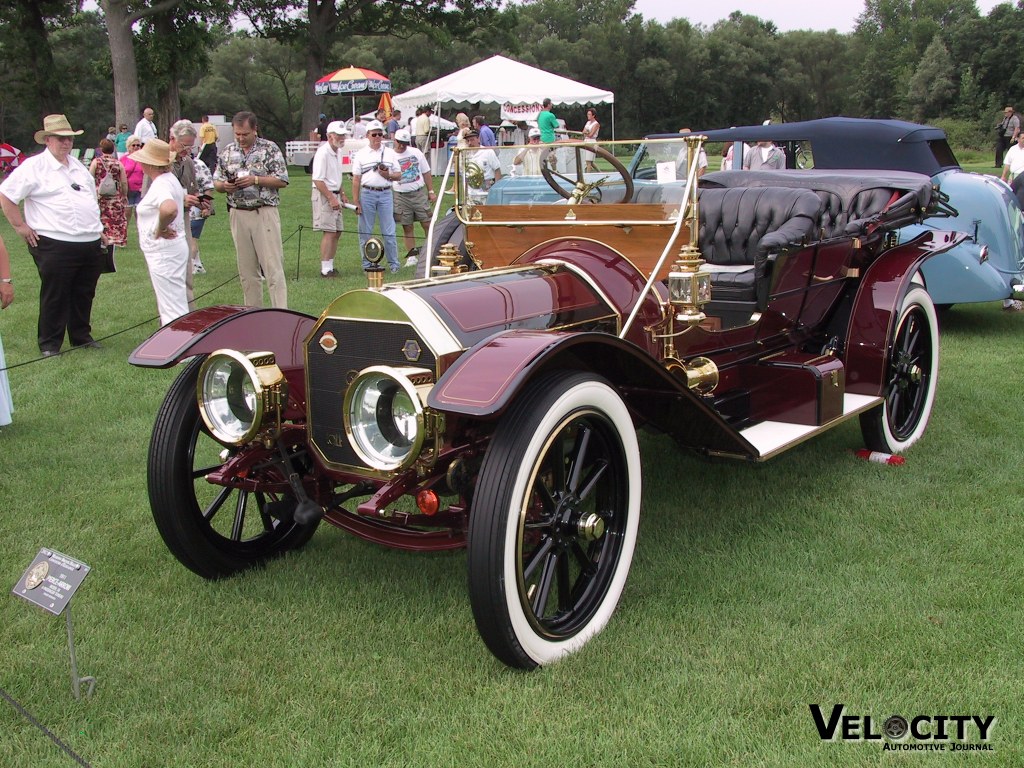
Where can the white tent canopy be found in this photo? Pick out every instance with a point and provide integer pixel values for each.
(502, 81)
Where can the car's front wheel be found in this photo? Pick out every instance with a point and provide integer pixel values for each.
(554, 519)
(912, 372)
(213, 530)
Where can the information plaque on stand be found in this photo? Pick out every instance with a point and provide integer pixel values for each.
(51, 580)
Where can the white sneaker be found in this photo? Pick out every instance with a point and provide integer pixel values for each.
(412, 261)
(198, 268)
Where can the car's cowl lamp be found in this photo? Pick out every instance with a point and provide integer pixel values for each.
(373, 252)
(689, 286)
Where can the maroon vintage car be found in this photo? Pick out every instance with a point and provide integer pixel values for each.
(496, 408)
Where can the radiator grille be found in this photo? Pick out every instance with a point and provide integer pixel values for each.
(360, 345)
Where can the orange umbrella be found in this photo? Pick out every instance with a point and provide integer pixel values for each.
(385, 104)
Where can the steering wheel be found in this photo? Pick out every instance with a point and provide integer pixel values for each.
(579, 187)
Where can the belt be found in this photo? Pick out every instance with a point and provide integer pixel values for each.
(237, 208)
(375, 189)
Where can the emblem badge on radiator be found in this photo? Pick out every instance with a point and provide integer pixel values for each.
(328, 343)
(412, 350)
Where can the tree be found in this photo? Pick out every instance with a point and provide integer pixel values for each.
(273, 91)
(26, 40)
(317, 25)
(932, 87)
(120, 16)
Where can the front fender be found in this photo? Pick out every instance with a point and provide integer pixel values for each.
(876, 308)
(485, 380)
(206, 330)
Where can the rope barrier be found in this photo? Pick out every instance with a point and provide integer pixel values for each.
(233, 278)
(52, 736)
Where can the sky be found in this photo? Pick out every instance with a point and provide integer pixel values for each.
(788, 15)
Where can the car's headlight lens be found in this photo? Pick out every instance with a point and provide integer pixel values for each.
(384, 416)
(237, 391)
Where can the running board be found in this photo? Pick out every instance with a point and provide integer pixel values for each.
(770, 438)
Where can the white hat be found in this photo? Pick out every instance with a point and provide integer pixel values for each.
(337, 127)
(533, 132)
(402, 135)
(374, 125)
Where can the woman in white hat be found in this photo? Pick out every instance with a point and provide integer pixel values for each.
(161, 220)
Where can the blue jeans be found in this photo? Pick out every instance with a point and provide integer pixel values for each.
(381, 206)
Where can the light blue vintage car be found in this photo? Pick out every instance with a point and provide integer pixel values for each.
(987, 267)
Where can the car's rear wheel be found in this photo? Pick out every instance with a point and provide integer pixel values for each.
(213, 530)
(554, 519)
(911, 375)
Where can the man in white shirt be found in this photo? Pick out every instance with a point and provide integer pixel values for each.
(529, 157)
(61, 226)
(328, 195)
(1013, 160)
(145, 129)
(414, 192)
(374, 167)
(488, 162)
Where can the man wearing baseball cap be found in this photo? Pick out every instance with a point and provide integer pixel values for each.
(487, 160)
(414, 192)
(328, 197)
(374, 167)
(529, 157)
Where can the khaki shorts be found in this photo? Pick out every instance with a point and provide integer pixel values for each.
(412, 206)
(325, 218)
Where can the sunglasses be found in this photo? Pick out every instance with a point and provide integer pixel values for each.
(374, 134)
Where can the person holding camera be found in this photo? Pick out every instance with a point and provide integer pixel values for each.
(250, 171)
(374, 167)
(1006, 133)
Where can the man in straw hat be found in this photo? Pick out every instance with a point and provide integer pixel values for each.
(61, 225)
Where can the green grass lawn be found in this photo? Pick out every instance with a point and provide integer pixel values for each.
(756, 591)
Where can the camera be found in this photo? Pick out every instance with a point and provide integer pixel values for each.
(230, 177)
(383, 168)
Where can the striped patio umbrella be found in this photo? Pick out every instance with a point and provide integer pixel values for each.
(353, 81)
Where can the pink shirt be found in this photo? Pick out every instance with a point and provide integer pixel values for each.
(134, 173)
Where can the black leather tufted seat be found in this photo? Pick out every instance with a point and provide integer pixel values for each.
(741, 226)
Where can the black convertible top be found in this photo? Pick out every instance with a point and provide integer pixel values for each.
(853, 202)
(851, 142)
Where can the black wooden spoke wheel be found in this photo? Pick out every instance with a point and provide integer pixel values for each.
(213, 530)
(911, 374)
(554, 519)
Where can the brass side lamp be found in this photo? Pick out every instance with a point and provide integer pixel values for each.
(373, 252)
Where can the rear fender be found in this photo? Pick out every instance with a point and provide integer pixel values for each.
(877, 304)
(487, 378)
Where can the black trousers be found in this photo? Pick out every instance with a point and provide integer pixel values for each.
(1002, 144)
(68, 273)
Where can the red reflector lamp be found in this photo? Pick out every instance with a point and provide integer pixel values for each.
(428, 502)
